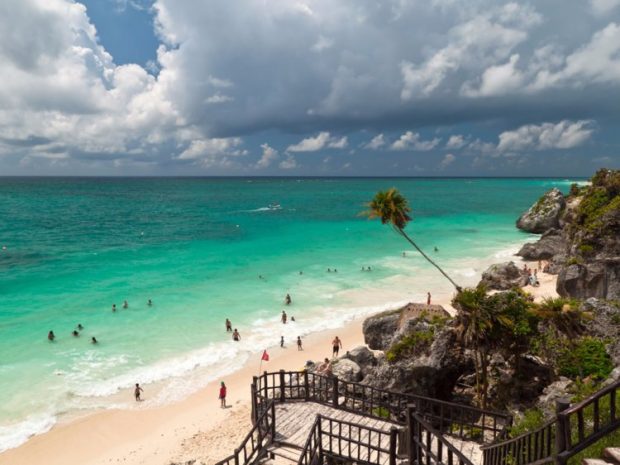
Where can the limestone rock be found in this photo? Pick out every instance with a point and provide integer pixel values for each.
(503, 276)
(362, 355)
(553, 392)
(605, 324)
(347, 370)
(550, 244)
(544, 214)
(600, 279)
(379, 329)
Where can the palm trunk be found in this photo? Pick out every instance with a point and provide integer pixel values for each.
(404, 234)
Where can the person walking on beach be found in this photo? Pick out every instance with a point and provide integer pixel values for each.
(283, 319)
(428, 298)
(236, 336)
(228, 326)
(336, 346)
(299, 347)
(51, 336)
(137, 391)
(282, 341)
(222, 395)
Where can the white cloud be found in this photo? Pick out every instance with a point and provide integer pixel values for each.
(318, 142)
(210, 148)
(447, 160)
(562, 135)
(219, 98)
(497, 80)
(269, 156)
(323, 43)
(288, 163)
(603, 7)
(456, 142)
(376, 142)
(412, 141)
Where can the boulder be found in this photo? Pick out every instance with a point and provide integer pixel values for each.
(380, 329)
(553, 392)
(347, 370)
(605, 324)
(550, 244)
(503, 276)
(544, 214)
(363, 356)
(600, 279)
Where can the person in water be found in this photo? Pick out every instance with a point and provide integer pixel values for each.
(282, 341)
(228, 326)
(222, 395)
(287, 299)
(236, 336)
(75, 333)
(80, 327)
(283, 319)
(336, 346)
(299, 347)
(436, 249)
(93, 340)
(137, 391)
(125, 304)
(150, 303)
(113, 307)
(51, 336)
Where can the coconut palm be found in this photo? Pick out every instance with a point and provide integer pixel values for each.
(392, 208)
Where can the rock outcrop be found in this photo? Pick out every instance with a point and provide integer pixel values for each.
(605, 323)
(347, 370)
(550, 244)
(503, 276)
(544, 214)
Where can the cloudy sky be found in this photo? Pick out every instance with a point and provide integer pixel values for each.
(309, 87)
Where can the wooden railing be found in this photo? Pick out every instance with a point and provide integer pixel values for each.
(572, 430)
(428, 446)
(253, 446)
(339, 439)
(468, 423)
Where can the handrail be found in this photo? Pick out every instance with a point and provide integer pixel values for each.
(421, 449)
(264, 428)
(341, 439)
(533, 447)
(471, 423)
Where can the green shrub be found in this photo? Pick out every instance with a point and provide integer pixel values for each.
(411, 344)
(586, 249)
(574, 261)
(587, 357)
(381, 412)
(469, 432)
(532, 419)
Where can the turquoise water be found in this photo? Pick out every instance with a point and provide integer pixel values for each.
(196, 248)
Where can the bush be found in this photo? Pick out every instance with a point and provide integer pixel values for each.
(587, 357)
(532, 419)
(381, 412)
(411, 344)
(586, 249)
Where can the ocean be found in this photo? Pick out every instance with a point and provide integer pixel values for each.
(206, 249)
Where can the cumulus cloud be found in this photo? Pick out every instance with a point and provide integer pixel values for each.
(603, 7)
(412, 141)
(447, 160)
(318, 142)
(269, 156)
(212, 151)
(288, 163)
(376, 142)
(456, 142)
(562, 135)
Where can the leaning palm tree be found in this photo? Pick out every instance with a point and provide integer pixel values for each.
(391, 207)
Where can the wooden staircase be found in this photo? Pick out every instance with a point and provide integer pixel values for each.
(611, 456)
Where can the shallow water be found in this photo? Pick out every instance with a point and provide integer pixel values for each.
(196, 247)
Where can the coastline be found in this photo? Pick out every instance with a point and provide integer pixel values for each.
(194, 427)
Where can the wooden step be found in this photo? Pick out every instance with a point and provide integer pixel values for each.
(289, 453)
(595, 462)
(612, 454)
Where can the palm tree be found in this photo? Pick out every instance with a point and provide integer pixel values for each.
(391, 207)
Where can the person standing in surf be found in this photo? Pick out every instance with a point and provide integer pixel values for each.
(137, 391)
(228, 326)
(283, 319)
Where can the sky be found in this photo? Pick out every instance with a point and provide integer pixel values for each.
(309, 87)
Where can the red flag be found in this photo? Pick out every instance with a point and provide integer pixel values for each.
(265, 356)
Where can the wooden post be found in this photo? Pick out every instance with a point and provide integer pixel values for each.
(335, 392)
(411, 447)
(266, 379)
(236, 456)
(282, 385)
(254, 400)
(393, 442)
(562, 430)
(320, 434)
(306, 386)
(273, 421)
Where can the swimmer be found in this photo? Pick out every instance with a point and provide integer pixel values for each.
(75, 333)
(283, 318)
(113, 307)
(329, 270)
(260, 276)
(301, 272)
(436, 249)
(125, 304)
(93, 340)
(150, 303)
(137, 391)
(287, 299)
(335, 270)
(369, 269)
(404, 254)
(228, 325)
(236, 336)
(80, 327)
(51, 336)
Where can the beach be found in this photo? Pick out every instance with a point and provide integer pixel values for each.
(195, 428)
